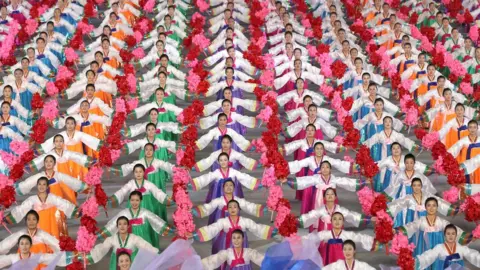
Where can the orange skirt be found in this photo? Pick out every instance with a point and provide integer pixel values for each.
(453, 136)
(440, 119)
(90, 130)
(76, 170)
(67, 193)
(40, 248)
(53, 222)
(466, 154)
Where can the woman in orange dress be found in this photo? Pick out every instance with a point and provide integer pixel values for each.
(455, 129)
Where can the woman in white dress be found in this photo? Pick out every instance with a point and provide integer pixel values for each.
(350, 263)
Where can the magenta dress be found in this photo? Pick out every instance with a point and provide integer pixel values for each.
(332, 250)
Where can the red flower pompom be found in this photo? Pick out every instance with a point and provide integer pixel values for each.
(338, 69)
(289, 226)
(27, 157)
(75, 266)
(384, 231)
(420, 133)
(471, 209)
(126, 55)
(429, 32)
(352, 138)
(347, 103)
(89, 223)
(39, 129)
(405, 259)
(7, 196)
(130, 41)
(379, 204)
(105, 158)
(37, 101)
(66, 243)
(100, 195)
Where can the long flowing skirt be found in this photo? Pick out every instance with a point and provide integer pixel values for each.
(425, 241)
(52, 222)
(216, 190)
(146, 232)
(331, 253)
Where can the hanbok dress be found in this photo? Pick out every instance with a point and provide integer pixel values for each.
(23, 92)
(74, 143)
(223, 229)
(131, 245)
(294, 99)
(389, 168)
(470, 167)
(162, 147)
(442, 113)
(286, 82)
(49, 221)
(144, 224)
(365, 105)
(233, 260)
(442, 256)
(426, 235)
(297, 130)
(7, 135)
(218, 177)
(15, 124)
(97, 106)
(237, 161)
(17, 109)
(173, 89)
(235, 121)
(466, 149)
(104, 88)
(453, 131)
(57, 184)
(238, 105)
(135, 130)
(333, 243)
(166, 113)
(353, 78)
(380, 144)
(342, 265)
(237, 88)
(316, 184)
(408, 209)
(472, 65)
(44, 259)
(172, 72)
(216, 134)
(372, 124)
(401, 185)
(156, 171)
(152, 198)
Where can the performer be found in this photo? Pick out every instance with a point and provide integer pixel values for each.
(235, 258)
(448, 253)
(455, 129)
(349, 250)
(468, 148)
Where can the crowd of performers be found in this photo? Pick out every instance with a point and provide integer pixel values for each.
(395, 79)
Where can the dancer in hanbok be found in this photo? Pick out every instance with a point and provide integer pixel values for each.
(157, 171)
(412, 206)
(353, 77)
(321, 218)
(301, 112)
(167, 112)
(162, 146)
(366, 104)
(171, 70)
(216, 134)
(97, 105)
(22, 90)
(296, 131)
(46, 205)
(173, 88)
(426, 232)
(42, 242)
(448, 253)
(25, 244)
(286, 82)
(455, 129)
(16, 108)
(401, 183)
(103, 87)
(121, 241)
(349, 263)
(236, 257)
(135, 130)
(124, 260)
(224, 227)
(394, 164)
(152, 195)
(468, 148)
(237, 86)
(238, 104)
(154, 55)
(143, 223)
(13, 122)
(331, 242)
(222, 174)
(235, 121)
(361, 90)
(237, 160)
(59, 184)
(314, 186)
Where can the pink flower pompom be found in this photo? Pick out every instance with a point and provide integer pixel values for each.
(183, 200)
(85, 240)
(180, 176)
(179, 155)
(148, 7)
(94, 176)
(430, 139)
(8, 158)
(425, 44)
(259, 145)
(261, 41)
(120, 105)
(366, 196)
(306, 23)
(268, 59)
(71, 55)
(183, 220)
(44, 8)
(325, 62)
(446, 2)
(415, 32)
(192, 63)
(274, 194)
(267, 77)
(193, 81)
(269, 95)
(326, 89)
(384, 216)
(132, 83)
(466, 88)
(407, 84)
(138, 36)
(411, 118)
(336, 101)
(201, 41)
(264, 159)
(51, 89)
(460, 18)
(451, 195)
(312, 50)
(473, 33)
(438, 165)
(31, 26)
(5, 181)
(50, 110)
(85, 28)
(341, 114)
(202, 5)
(90, 207)
(476, 232)
(265, 114)
(282, 213)
(132, 104)
(180, 119)
(348, 159)
(400, 241)
(308, 33)
(138, 53)
(64, 73)
(19, 147)
(115, 154)
(338, 139)
(269, 178)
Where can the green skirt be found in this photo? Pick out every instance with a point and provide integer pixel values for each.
(159, 179)
(167, 117)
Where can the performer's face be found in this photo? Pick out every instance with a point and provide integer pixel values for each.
(472, 129)
(233, 209)
(330, 196)
(237, 240)
(325, 170)
(337, 221)
(58, 142)
(409, 164)
(387, 123)
(226, 144)
(223, 161)
(42, 186)
(222, 121)
(90, 92)
(135, 201)
(431, 207)
(396, 150)
(25, 63)
(348, 252)
(310, 132)
(32, 222)
(228, 188)
(49, 163)
(227, 94)
(5, 109)
(24, 246)
(448, 95)
(226, 106)
(450, 236)
(159, 95)
(151, 131)
(312, 112)
(84, 107)
(459, 110)
(153, 115)
(319, 150)
(138, 173)
(417, 187)
(307, 102)
(379, 106)
(122, 226)
(300, 84)
(124, 262)
(7, 92)
(149, 151)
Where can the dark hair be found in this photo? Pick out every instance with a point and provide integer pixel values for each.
(338, 213)
(223, 154)
(326, 162)
(123, 218)
(72, 119)
(379, 100)
(351, 243)
(416, 179)
(330, 188)
(318, 143)
(121, 253)
(450, 226)
(135, 193)
(311, 125)
(50, 156)
(240, 232)
(227, 181)
(57, 136)
(395, 143)
(409, 156)
(221, 115)
(307, 96)
(33, 213)
(431, 199)
(24, 237)
(139, 166)
(387, 117)
(150, 124)
(234, 201)
(227, 137)
(43, 178)
(149, 144)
